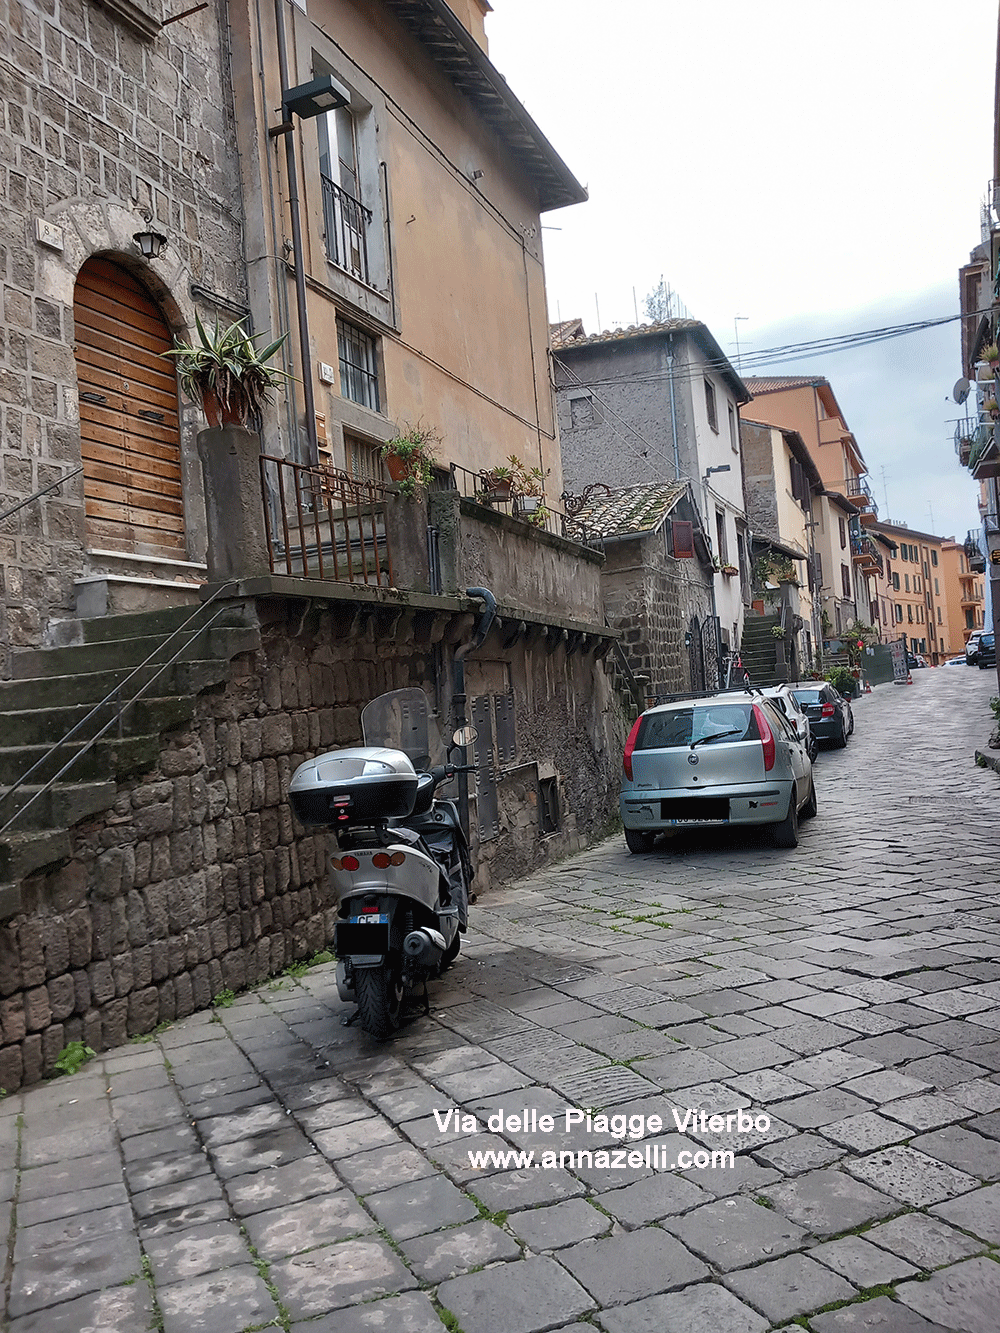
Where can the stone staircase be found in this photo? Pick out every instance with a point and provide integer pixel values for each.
(53, 689)
(759, 650)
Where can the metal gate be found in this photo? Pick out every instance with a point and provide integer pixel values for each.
(696, 657)
(711, 651)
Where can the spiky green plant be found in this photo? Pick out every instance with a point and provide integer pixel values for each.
(227, 374)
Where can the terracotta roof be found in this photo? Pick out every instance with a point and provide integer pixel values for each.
(776, 383)
(463, 61)
(629, 510)
(570, 331)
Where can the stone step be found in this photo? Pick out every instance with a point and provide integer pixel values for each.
(59, 806)
(90, 687)
(23, 853)
(108, 758)
(137, 625)
(46, 726)
(88, 658)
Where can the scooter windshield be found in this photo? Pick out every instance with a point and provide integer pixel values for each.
(399, 721)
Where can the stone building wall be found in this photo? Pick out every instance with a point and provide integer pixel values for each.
(98, 124)
(199, 880)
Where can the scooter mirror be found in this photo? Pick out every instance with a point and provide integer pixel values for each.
(465, 736)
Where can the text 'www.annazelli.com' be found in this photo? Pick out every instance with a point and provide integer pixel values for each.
(650, 1156)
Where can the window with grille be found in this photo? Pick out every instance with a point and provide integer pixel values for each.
(710, 407)
(364, 461)
(358, 365)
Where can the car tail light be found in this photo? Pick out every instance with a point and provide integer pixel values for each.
(828, 710)
(349, 863)
(629, 747)
(766, 737)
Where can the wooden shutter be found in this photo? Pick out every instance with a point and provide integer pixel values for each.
(683, 535)
(129, 426)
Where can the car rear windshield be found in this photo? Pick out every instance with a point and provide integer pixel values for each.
(681, 726)
(807, 696)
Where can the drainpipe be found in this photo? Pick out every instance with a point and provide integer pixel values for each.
(458, 698)
(673, 406)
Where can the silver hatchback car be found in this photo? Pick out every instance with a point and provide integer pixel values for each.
(723, 761)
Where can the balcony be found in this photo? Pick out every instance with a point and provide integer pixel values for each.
(865, 554)
(974, 554)
(963, 442)
(346, 222)
(859, 494)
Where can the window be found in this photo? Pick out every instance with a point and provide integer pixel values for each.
(895, 583)
(939, 615)
(970, 620)
(358, 365)
(720, 533)
(845, 580)
(906, 580)
(733, 437)
(937, 588)
(934, 558)
(909, 614)
(843, 534)
(364, 461)
(345, 218)
(899, 613)
(927, 572)
(713, 415)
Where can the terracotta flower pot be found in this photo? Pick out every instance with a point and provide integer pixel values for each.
(397, 467)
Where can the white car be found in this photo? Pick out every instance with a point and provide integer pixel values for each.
(727, 760)
(792, 709)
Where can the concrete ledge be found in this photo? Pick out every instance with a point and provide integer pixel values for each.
(985, 760)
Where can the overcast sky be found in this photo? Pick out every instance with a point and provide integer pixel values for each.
(815, 168)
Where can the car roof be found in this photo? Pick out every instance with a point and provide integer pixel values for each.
(807, 684)
(710, 701)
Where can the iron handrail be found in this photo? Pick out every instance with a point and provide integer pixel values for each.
(119, 714)
(39, 493)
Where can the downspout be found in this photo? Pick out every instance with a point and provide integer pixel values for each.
(458, 698)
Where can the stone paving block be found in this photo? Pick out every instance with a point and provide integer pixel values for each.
(929, 1111)
(605, 1087)
(978, 1212)
(45, 1182)
(452, 1154)
(682, 1069)
(473, 1083)
(829, 1067)
(155, 1172)
(273, 1148)
(733, 1233)
(654, 1197)
(72, 1268)
(816, 1109)
(166, 1199)
(333, 1276)
(984, 1054)
(810, 1038)
(219, 1302)
(911, 1176)
(510, 1190)
(342, 1112)
(862, 1263)
(245, 1123)
(560, 1224)
(870, 1023)
(368, 1172)
(418, 1206)
(942, 1071)
(745, 1176)
(965, 1296)
(123, 1309)
(176, 1138)
(666, 1013)
(764, 1087)
(880, 1315)
(979, 1095)
(520, 1297)
(196, 1250)
(926, 1241)
(704, 1308)
(804, 1152)
(294, 1227)
(641, 1263)
(262, 1190)
(412, 1312)
(32, 1211)
(448, 1253)
(789, 1287)
(893, 1049)
(961, 1148)
(865, 1132)
(170, 1221)
(414, 1103)
(751, 1053)
(828, 1202)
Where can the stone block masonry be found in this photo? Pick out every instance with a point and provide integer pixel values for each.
(199, 880)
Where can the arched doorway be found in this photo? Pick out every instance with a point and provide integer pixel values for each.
(129, 426)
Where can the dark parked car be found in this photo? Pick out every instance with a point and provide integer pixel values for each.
(987, 654)
(830, 716)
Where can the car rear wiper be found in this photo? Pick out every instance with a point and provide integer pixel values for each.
(716, 736)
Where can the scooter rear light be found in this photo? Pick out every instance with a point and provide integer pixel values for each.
(397, 858)
(349, 863)
(629, 747)
(828, 710)
(766, 737)
(369, 907)
(381, 860)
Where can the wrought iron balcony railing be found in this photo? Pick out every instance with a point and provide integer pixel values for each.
(346, 222)
(864, 550)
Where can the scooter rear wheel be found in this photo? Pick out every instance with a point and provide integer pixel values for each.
(379, 992)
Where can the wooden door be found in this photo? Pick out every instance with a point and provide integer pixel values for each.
(129, 426)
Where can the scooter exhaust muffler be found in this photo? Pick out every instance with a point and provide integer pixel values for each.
(424, 946)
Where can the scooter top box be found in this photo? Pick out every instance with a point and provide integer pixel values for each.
(353, 787)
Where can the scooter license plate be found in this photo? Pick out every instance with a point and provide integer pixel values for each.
(369, 919)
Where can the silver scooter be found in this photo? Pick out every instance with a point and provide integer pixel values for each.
(403, 871)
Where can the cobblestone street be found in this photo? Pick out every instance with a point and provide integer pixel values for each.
(262, 1164)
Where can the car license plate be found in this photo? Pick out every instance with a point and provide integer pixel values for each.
(369, 919)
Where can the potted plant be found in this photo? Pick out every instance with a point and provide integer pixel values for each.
(227, 374)
(730, 571)
(497, 483)
(777, 632)
(991, 355)
(409, 458)
(991, 406)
